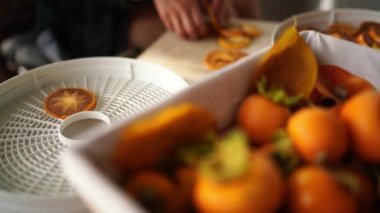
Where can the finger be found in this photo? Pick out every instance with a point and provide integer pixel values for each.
(190, 28)
(199, 22)
(167, 23)
(221, 10)
(177, 26)
(225, 15)
(216, 5)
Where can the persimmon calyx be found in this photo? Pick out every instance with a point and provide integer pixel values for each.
(277, 95)
(191, 155)
(284, 152)
(347, 180)
(229, 158)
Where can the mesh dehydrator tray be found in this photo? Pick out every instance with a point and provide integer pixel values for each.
(31, 177)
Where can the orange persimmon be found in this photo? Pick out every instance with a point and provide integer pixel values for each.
(146, 142)
(290, 64)
(154, 191)
(314, 189)
(260, 117)
(361, 115)
(261, 189)
(341, 83)
(317, 135)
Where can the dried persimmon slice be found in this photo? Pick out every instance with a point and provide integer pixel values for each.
(217, 59)
(67, 101)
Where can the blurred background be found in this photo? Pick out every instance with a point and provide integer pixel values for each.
(280, 9)
(18, 16)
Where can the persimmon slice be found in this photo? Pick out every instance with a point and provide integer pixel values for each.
(67, 101)
(232, 31)
(250, 30)
(234, 42)
(217, 59)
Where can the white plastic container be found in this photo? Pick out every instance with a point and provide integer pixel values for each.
(88, 166)
(32, 142)
(323, 19)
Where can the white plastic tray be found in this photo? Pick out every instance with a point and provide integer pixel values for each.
(323, 19)
(31, 176)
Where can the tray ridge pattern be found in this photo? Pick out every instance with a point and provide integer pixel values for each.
(30, 149)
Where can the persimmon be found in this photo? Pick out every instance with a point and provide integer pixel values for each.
(363, 189)
(289, 64)
(314, 189)
(185, 177)
(154, 191)
(341, 83)
(146, 142)
(361, 115)
(317, 135)
(260, 117)
(261, 189)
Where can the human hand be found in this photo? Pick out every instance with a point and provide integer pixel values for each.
(184, 17)
(222, 9)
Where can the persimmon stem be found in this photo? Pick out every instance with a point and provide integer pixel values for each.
(277, 95)
(229, 158)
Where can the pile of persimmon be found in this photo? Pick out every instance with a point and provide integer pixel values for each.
(305, 139)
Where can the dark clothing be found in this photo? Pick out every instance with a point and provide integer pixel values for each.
(83, 27)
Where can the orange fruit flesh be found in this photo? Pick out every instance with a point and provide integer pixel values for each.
(67, 101)
(219, 58)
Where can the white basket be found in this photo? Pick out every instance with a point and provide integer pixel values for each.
(88, 165)
(31, 176)
(323, 19)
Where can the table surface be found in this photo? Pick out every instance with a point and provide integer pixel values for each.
(186, 57)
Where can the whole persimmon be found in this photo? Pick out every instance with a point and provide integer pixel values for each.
(364, 189)
(317, 135)
(154, 191)
(361, 115)
(260, 117)
(261, 189)
(314, 189)
(342, 83)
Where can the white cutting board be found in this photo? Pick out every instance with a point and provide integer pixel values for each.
(186, 57)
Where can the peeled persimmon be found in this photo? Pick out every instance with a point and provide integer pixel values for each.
(318, 135)
(361, 115)
(67, 101)
(289, 64)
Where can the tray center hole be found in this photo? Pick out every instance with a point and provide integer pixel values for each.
(83, 129)
(82, 126)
